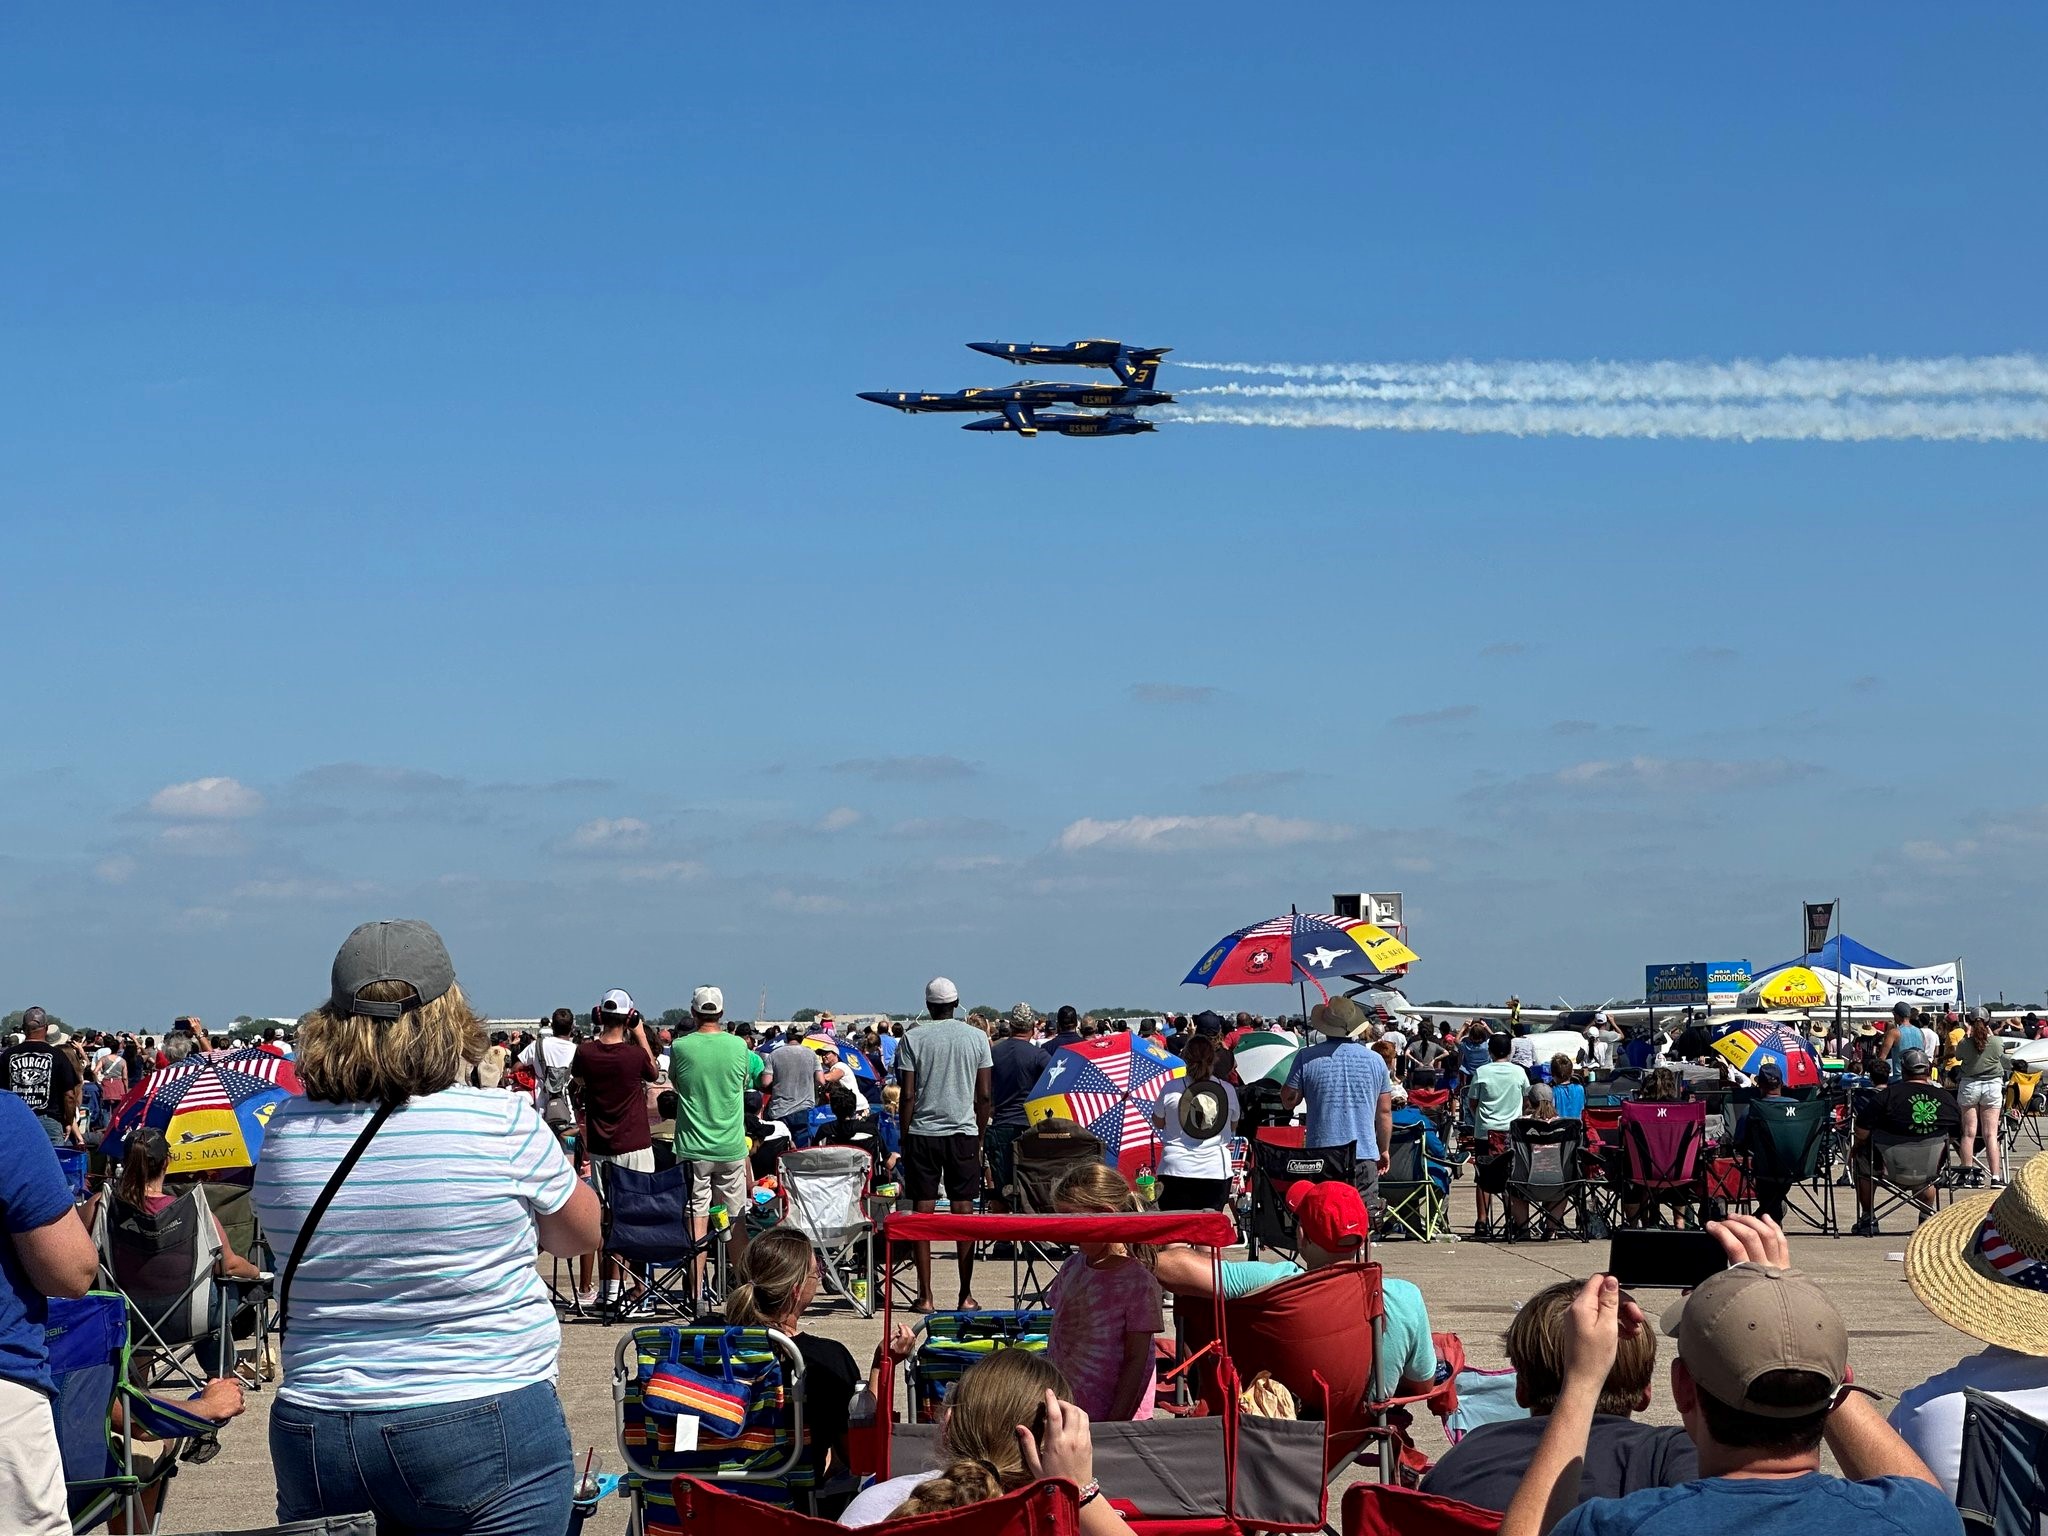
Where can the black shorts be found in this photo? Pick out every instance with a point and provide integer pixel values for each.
(953, 1162)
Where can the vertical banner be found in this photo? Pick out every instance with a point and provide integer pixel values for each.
(1820, 917)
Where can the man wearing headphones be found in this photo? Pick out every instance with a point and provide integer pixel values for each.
(608, 1079)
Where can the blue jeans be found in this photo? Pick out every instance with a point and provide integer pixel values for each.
(489, 1466)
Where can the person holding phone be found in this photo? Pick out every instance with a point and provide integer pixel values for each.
(1762, 1379)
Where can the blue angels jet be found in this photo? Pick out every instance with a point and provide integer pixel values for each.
(1018, 404)
(1136, 366)
(1069, 424)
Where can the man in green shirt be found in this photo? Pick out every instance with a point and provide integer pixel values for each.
(1496, 1101)
(711, 1072)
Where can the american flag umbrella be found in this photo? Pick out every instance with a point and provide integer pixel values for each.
(1316, 945)
(1107, 1085)
(212, 1112)
(1749, 1046)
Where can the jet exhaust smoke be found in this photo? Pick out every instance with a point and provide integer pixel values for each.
(1795, 399)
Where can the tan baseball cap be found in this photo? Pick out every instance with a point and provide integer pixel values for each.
(1749, 1321)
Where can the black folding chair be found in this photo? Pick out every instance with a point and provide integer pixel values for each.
(1902, 1169)
(2002, 1484)
(1042, 1156)
(647, 1225)
(1276, 1169)
(1546, 1174)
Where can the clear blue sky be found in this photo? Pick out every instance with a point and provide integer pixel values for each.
(439, 427)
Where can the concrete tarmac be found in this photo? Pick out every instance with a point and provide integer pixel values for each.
(1472, 1289)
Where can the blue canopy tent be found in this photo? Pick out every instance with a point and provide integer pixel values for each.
(1837, 955)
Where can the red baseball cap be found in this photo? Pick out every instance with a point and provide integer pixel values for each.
(1331, 1215)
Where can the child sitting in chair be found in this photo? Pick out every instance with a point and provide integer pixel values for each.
(1106, 1305)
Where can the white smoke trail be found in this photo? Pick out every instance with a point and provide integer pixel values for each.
(1808, 399)
(1821, 421)
(1786, 378)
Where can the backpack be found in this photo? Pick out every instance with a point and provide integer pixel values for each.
(1204, 1110)
(554, 1087)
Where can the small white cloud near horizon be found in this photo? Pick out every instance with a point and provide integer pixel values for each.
(1678, 775)
(217, 798)
(609, 834)
(1174, 834)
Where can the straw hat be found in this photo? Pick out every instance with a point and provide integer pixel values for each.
(1338, 1017)
(1982, 1264)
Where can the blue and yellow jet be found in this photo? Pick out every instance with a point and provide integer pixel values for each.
(1068, 424)
(1018, 403)
(1136, 366)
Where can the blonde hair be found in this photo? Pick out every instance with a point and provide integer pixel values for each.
(351, 1059)
(891, 1097)
(778, 1264)
(979, 1440)
(1097, 1188)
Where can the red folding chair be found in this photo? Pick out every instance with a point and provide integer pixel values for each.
(1374, 1509)
(1042, 1509)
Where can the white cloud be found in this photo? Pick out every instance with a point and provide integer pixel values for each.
(609, 834)
(1687, 775)
(117, 870)
(211, 799)
(838, 819)
(806, 903)
(201, 840)
(945, 828)
(667, 872)
(1171, 834)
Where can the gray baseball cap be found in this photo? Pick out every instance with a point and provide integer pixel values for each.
(404, 949)
(1914, 1062)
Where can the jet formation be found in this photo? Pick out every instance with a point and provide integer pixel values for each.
(1071, 410)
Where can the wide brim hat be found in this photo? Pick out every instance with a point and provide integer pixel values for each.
(1981, 1266)
(1338, 1017)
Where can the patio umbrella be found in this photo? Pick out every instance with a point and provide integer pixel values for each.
(852, 1055)
(1264, 1053)
(1315, 945)
(1108, 1085)
(212, 1112)
(1748, 1046)
(1799, 986)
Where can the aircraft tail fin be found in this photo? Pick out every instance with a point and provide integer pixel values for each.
(1138, 366)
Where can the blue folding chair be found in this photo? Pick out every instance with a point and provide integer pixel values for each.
(99, 1412)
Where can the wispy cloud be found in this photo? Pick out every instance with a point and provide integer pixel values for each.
(907, 770)
(1867, 683)
(1501, 648)
(1174, 693)
(1716, 655)
(1174, 834)
(1574, 727)
(1448, 715)
(841, 818)
(609, 835)
(1652, 776)
(210, 799)
(1257, 781)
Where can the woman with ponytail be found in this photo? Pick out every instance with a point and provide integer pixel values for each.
(1009, 1422)
(1106, 1304)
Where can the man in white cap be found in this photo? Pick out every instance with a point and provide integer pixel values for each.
(1761, 1378)
(711, 1072)
(944, 1069)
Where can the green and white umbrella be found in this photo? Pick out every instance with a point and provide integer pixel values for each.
(1264, 1053)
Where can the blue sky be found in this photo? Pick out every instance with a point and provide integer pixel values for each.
(433, 486)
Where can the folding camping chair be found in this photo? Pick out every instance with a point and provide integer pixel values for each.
(950, 1342)
(1377, 1509)
(1279, 1162)
(1782, 1146)
(1902, 1169)
(90, 1361)
(2002, 1485)
(1046, 1153)
(1038, 1509)
(1662, 1146)
(1546, 1178)
(76, 1163)
(1415, 1207)
(1434, 1105)
(670, 1384)
(166, 1265)
(647, 1225)
(825, 1190)
(2026, 1106)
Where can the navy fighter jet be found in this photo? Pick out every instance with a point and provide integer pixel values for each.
(1067, 424)
(1015, 403)
(1136, 366)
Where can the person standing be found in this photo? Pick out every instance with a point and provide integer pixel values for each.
(45, 1252)
(1016, 1066)
(945, 1070)
(1345, 1085)
(712, 1072)
(791, 1083)
(421, 1346)
(1980, 1095)
(1495, 1098)
(607, 1085)
(1195, 1117)
(551, 1060)
(1067, 1029)
(42, 1077)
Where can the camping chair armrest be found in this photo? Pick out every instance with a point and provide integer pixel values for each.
(167, 1421)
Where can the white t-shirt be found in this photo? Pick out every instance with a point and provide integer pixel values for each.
(556, 1052)
(419, 1284)
(1180, 1155)
(841, 1076)
(1930, 1416)
(871, 1506)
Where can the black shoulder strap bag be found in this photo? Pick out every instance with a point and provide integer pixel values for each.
(341, 1171)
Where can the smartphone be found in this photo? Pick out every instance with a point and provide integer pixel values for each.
(1656, 1257)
